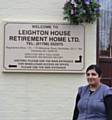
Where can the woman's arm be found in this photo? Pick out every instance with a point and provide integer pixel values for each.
(108, 106)
(76, 111)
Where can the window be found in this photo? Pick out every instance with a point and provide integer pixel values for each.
(105, 29)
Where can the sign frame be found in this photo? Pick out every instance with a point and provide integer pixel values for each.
(12, 67)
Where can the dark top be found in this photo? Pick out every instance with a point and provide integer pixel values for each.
(107, 103)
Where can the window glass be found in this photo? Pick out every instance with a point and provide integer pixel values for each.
(105, 29)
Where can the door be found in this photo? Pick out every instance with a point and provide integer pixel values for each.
(104, 41)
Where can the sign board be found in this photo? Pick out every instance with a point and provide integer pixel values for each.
(43, 47)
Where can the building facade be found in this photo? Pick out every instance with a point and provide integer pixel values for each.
(40, 96)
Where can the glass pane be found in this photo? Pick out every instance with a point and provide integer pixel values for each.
(105, 29)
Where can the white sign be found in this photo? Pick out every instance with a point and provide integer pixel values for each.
(43, 47)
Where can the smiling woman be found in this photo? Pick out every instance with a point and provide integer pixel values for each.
(93, 74)
(93, 101)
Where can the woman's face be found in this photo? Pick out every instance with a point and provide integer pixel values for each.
(93, 77)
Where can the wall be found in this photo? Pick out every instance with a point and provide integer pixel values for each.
(39, 96)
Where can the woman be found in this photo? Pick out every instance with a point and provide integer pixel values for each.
(93, 101)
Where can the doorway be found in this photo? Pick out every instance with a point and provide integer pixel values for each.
(104, 41)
